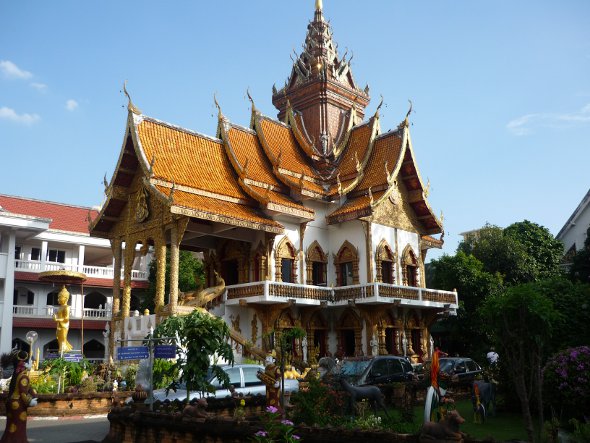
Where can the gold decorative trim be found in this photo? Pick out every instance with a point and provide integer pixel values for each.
(225, 219)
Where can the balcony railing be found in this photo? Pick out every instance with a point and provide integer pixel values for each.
(90, 271)
(49, 311)
(269, 291)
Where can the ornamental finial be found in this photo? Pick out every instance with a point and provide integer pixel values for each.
(318, 5)
(130, 106)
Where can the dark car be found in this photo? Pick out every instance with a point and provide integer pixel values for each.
(463, 370)
(377, 370)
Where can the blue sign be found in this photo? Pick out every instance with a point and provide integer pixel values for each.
(165, 351)
(73, 357)
(132, 353)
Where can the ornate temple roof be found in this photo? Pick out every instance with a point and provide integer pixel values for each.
(253, 177)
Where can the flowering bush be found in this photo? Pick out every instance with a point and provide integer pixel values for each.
(566, 382)
(323, 403)
(275, 428)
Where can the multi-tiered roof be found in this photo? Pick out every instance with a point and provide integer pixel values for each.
(320, 150)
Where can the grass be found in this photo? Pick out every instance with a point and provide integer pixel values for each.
(503, 426)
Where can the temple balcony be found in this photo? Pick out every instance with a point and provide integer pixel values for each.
(36, 266)
(48, 312)
(269, 292)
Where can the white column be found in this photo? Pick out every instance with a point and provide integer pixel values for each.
(81, 251)
(6, 336)
(43, 254)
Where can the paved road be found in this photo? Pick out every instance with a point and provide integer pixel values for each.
(65, 430)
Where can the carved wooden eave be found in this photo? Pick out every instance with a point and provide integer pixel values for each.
(259, 191)
(360, 171)
(166, 192)
(301, 134)
(428, 242)
(116, 191)
(418, 201)
(290, 178)
(345, 137)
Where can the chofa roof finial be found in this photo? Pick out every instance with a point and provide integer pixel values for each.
(130, 106)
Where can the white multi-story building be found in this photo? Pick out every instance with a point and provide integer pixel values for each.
(37, 236)
(573, 233)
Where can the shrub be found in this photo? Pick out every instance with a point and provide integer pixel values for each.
(44, 384)
(566, 382)
(322, 403)
(130, 375)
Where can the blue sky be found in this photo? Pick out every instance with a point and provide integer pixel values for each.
(501, 90)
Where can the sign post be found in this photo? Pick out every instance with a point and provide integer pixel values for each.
(150, 352)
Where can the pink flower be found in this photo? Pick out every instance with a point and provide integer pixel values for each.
(272, 410)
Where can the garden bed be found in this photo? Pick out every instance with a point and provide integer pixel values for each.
(61, 405)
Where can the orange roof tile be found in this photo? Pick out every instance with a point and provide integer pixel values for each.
(386, 149)
(280, 138)
(353, 208)
(63, 217)
(247, 149)
(187, 158)
(358, 143)
(211, 208)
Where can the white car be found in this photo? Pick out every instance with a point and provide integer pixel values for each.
(242, 377)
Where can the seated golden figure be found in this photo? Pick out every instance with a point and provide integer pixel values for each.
(62, 318)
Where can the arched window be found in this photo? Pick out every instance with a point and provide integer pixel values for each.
(23, 296)
(94, 350)
(385, 263)
(285, 262)
(316, 265)
(95, 300)
(410, 274)
(347, 265)
(52, 298)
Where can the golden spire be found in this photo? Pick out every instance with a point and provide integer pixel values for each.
(318, 5)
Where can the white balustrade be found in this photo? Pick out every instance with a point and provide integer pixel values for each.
(50, 311)
(90, 271)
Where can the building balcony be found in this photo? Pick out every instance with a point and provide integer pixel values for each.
(35, 266)
(269, 292)
(48, 312)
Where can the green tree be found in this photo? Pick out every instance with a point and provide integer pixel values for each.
(520, 321)
(543, 250)
(200, 337)
(190, 277)
(580, 268)
(521, 253)
(466, 274)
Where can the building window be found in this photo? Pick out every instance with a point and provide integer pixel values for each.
(285, 261)
(35, 254)
(347, 265)
(387, 272)
(30, 297)
(287, 270)
(316, 263)
(346, 274)
(56, 256)
(318, 273)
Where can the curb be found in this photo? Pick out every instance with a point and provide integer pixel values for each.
(67, 417)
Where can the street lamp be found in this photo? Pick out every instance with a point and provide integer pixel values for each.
(31, 337)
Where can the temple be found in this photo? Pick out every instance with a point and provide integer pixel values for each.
(317, 219)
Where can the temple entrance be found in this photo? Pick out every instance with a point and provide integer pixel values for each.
(348, 342)
(319, 341)
(391, 344)
(230, 272)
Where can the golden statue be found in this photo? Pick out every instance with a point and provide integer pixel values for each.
(62, 318)
(201, 297)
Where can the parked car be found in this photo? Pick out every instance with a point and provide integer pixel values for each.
(463, 370)
(242, 377)
(379, 370)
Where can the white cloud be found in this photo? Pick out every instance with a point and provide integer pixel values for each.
(527, 124)
(39, 86)
(10, 70)
(71, 105)
(11, 115)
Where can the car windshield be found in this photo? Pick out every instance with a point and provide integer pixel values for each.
(446, 365)
(354, 368)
